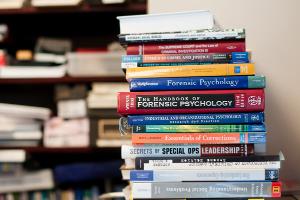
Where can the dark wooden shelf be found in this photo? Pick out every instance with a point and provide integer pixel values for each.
(64, 150)
(66, 79)
(84, 8)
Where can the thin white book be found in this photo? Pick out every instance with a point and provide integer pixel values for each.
(32, 72)
(12, 155)
(112, 142)
(49, 3)
(109, 88)
(11, 4)
(166, 22)
(28, 181)
(22, 111)
(22, 135)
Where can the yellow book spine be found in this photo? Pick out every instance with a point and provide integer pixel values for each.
(192, 70)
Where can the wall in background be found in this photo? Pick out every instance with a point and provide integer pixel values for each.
(273, 36)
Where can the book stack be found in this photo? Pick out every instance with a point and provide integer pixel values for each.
(21, 126)
(71, 127)
(194, 110)
(104, 119)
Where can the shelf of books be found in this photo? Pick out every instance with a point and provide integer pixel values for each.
(21, 9)
(195, 111)
(65, 79)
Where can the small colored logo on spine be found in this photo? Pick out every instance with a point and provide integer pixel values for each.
(237, 69)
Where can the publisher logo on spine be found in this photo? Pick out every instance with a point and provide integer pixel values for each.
(254, 100)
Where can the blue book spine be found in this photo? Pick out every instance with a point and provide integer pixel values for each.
(253, 138)
(141, 175)
(195, 119)
(197, 83)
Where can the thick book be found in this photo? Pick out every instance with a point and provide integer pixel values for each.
(197, 83)
(198, 128)
(243, 69)
(204, 175)
(166, 22)
(194, 35)
(236, 162)
(199, 138)
(189, 119)
(129, 61)
(206, 190)
(189, 47)
(173, 102)
(184, 150)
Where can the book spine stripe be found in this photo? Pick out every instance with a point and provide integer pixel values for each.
(128, 151)
(197, 83)
(197, 128)
(152, 165)
(190, 119)
(204, 175)
(199, 138)
(206, 189)
(190, 101)
(192, 70)
(187, 47)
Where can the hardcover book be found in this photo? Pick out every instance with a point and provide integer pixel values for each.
(194, 163)
(183, 150)
(172, 102)
(199, 138)
(198, 128)
(166, 22)
(130, 61)
(197, 83)
(194, 35)
(189, 47)
(243, 69)
(205, 190)
(204, 175)
(189, 119)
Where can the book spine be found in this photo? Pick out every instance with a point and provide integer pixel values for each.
(169, 59)
(204, 166)
(171, 102)
(228, 34)
(198, 128)
(189, 119)
(205, 159)
(128, 151)
(186, 47)
(199, 138)
(204, 175)
(197, 83)
(191, 71)
(205, 189)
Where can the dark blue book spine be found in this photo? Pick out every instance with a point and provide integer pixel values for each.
(197, 83)
(190, 119)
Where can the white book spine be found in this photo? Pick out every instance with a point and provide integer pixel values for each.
(167, 164)
(203, 175)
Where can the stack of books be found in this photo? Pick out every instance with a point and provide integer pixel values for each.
(194, 110)
(21, 125)
(71, 127)
(104, 119)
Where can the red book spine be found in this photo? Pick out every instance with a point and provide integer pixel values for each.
(191, 101)
(187, 47)
(227, 150)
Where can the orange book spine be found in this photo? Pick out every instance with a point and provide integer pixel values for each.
(198, 138)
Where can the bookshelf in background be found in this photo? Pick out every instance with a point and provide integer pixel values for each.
(91, 29)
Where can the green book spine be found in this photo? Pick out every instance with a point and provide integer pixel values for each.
(198, 128)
